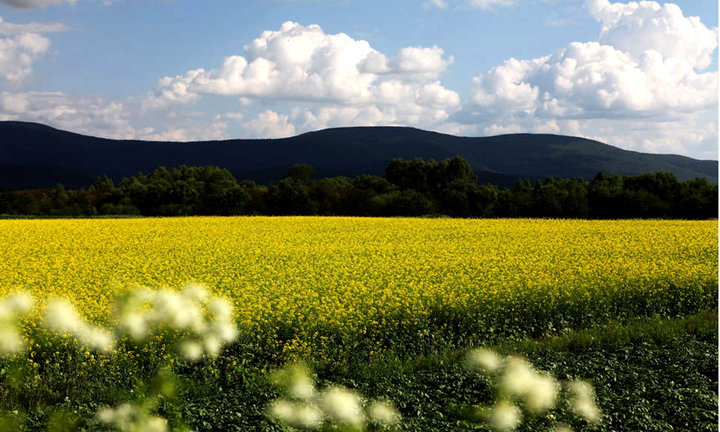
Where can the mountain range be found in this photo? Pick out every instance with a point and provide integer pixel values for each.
(33, 155)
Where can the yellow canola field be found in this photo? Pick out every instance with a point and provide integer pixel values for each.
(302, 281)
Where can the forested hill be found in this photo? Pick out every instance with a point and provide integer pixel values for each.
(35, 156)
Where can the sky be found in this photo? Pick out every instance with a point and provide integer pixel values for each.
(638, 75)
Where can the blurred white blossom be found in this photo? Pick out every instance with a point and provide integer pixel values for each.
(543, 393)
(504, 416)
(307, 408)
(384, 413)
(518, 377)
(298, 415)
(60, 316)
(204, 323)
(582, 400)
(11, 309)
(191, 350)
(483, 359)
(518, 380)
(132, 418)
(11, 341)
(302, 388)
(343, 405)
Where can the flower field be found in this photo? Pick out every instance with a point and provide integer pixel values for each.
(330, 287)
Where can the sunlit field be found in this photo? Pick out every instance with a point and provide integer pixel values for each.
(327, 287)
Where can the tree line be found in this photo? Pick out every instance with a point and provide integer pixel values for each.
(409, 188)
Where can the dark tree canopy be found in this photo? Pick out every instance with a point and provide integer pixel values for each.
(409, 188)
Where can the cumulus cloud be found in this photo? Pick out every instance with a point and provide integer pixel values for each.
(18, 53)
(87, 115)
(21, 47)
(294, 62)
(303, 63)
(419, 63)
(269, 124)
(648, 68)
(336, 77)
(181, 128)
(639, 27)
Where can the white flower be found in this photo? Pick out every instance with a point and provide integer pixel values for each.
(10, 340)
(169, 309)
(225, 331)
(343, 406)
(195, 292)
(303, 416)
(562, 428)
(212, 345)
(282, 410)
(154, 424)
(135, 324)
(384, 413)
(97, 338)
(191, 350)
(61, 317)
(518, 377)
(542, 394)
(308, 416)
(504, 416)
(131, 418)
(583, 401)
(6, 312)
(21, 303)
(483, 359)
(301, 387)
(106, 415)
(221, 308)
(144, 311)
(586, 409)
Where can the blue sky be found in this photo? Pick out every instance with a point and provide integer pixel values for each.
(641, 76)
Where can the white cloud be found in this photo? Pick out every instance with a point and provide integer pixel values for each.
(332, 73)
(22, 47)
(304, 63)
(645, 79)
(87, 115)
(489, 4)
(420, 63)
(18, 53)
(269, 124)
(638, 27)
(440, 4)
(495, 129)
(7, 28)
(216, 130)
(590, 78)
(295, 62)
(478, 4)
(34, 4)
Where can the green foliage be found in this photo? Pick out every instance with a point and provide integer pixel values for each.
(410, 188)
(650, 374)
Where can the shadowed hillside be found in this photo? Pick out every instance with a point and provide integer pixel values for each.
(34, 155)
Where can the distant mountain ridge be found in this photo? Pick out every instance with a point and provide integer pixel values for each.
(33, 155)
